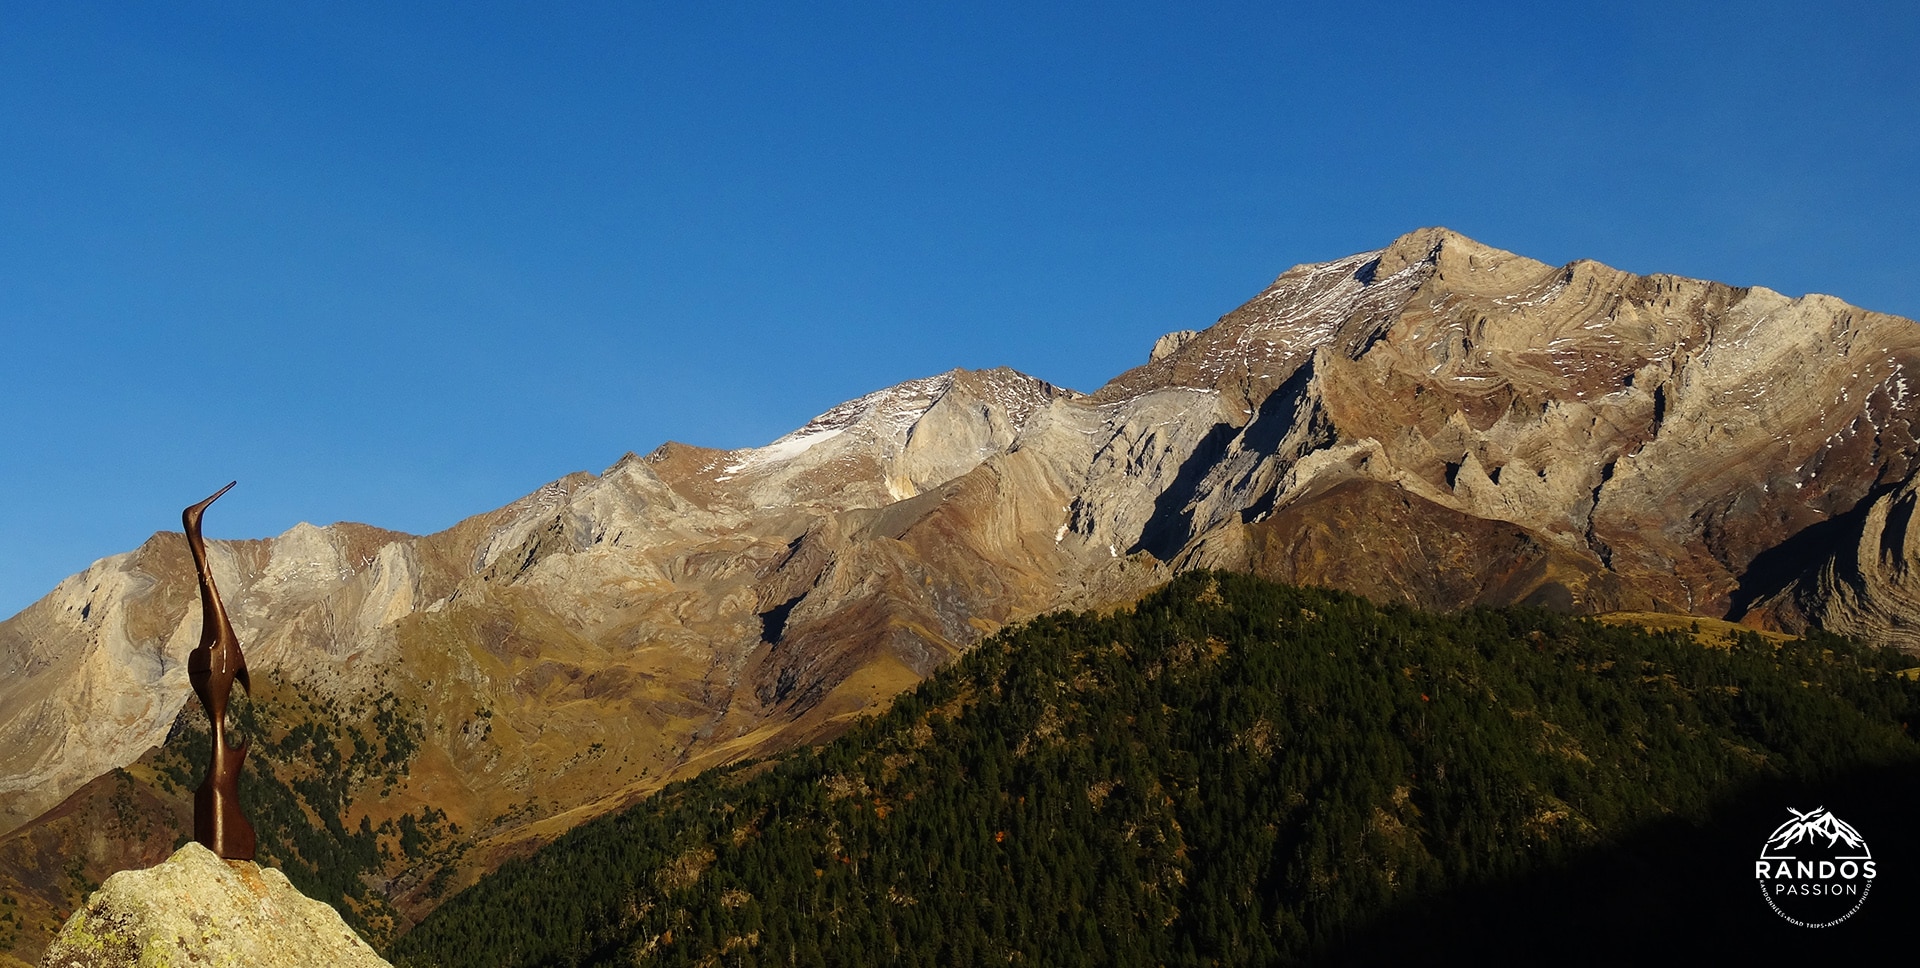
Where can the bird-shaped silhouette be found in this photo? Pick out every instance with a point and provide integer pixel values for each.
(212, 667)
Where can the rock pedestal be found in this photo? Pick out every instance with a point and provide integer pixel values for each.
(196, 909)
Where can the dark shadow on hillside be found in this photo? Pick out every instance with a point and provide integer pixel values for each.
(773, 621)
(1801, 555)
(1670, 892)
(1171, 526)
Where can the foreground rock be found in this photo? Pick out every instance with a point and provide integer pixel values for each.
(199, 909)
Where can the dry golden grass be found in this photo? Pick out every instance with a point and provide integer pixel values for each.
(1711, 632)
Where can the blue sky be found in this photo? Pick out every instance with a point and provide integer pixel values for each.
(405, 265)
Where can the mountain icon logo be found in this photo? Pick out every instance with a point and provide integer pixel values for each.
(1815, 870)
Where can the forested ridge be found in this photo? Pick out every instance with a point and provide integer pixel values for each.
(1231, 772)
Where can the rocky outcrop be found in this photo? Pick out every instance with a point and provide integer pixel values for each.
(1869, 588)
(1166, 345)
(1437, 422)
(198, 909)
(52, 864)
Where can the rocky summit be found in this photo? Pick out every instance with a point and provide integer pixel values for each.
(198, 909)
(1437, 423)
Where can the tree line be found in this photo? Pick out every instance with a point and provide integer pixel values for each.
(1231, 772)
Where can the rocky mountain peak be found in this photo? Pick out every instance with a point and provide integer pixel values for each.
(892, 443)
(1462, 261)
(1436, 422)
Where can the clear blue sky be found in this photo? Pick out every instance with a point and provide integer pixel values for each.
(407, 262)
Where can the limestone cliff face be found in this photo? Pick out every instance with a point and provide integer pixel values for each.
(1436, 422)
(1634, 442)
(1869, 586)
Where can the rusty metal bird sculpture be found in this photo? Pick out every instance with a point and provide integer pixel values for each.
(212, 668)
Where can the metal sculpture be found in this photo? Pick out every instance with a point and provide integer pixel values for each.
(212, 668)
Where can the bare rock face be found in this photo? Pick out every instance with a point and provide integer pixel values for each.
(1651, 437)
(97, 669)
(1436, 422)
(199, 909)
(1869, 588)
(1166, 345)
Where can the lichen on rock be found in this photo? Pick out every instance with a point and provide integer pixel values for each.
(196, 909)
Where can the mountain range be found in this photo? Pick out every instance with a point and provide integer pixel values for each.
(1436, 423)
